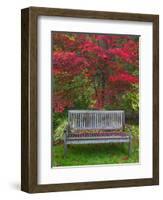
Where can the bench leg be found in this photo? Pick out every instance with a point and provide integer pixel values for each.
(129, 147)
(65, 149)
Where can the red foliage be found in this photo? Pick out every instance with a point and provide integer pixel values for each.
(123, 77)
(60, 103)
(129, 52)
(93, 55)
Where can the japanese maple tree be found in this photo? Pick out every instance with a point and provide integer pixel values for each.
(93, 70)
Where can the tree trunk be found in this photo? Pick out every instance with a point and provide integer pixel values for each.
(103, 81)
(104, 45)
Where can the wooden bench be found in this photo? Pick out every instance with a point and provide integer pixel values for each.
(92, 127)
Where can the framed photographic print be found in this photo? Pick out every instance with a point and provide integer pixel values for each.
(90, 99)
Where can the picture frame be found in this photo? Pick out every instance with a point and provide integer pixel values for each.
(29, 99)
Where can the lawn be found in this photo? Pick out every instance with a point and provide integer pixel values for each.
(95, 154)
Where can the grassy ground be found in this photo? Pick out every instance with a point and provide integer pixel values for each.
(95, 154)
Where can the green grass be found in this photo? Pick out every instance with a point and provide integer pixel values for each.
(95, 154)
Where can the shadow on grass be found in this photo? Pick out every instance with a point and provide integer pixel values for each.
(95, 154)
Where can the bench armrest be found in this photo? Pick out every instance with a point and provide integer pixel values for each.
(66, 130)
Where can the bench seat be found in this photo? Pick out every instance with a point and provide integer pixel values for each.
(97, 135)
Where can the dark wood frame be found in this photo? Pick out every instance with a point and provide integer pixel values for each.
(29, 99)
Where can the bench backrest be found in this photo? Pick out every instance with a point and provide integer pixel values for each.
(88, 119)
